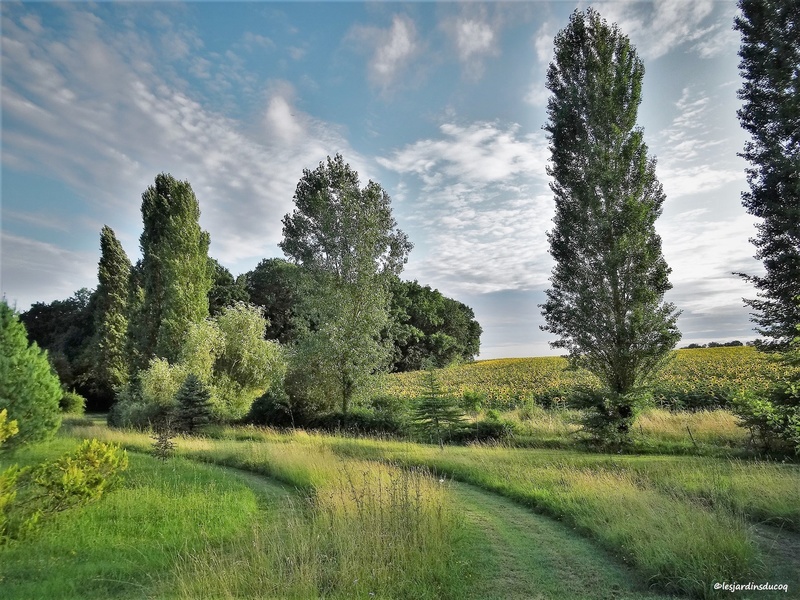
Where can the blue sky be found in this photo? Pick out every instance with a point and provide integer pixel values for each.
(441, 103)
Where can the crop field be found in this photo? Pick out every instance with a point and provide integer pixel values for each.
(698, 378)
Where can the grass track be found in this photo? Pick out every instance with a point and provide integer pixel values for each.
(532, 557)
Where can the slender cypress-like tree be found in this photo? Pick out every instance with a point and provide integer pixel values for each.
(605, 303)
(175, 268)
(111, 316)
(770, 67)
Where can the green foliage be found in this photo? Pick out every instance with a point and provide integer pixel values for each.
(72, 403)
(163, 446)
(193, 405)
(335, 363)
(8, 477)
(228, 354)
(7, 428)
(770, 54)
(773, 417)
(348, 239)
(436, 414)
(225, 290)
(429, 327)
(80, 477)
(110, 363)
(274, 407)
(277, 286)
(29, 390)
(176, 272)
(65, 328)
(606, 298)
(608, 417)
(340, 229)
(28, 496)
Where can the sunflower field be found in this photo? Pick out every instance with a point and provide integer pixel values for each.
(693, 379)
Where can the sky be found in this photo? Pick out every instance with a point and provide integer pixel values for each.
(443, 104)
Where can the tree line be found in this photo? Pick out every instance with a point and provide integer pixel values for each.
(315, 326)
(335, 314)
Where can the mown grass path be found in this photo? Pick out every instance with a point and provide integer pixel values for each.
(524, 555)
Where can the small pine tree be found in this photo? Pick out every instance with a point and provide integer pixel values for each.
(436, 413)
(163, 446)
(194, 404)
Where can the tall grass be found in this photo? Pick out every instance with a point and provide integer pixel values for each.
(672, 536)
(367, 532)
(359, 528)
(682, 522)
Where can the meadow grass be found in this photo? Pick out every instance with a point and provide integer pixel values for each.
(359, 527)
(124, 544)
(682, 522)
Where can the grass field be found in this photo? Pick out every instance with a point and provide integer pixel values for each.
(250, 512)
(680, 523)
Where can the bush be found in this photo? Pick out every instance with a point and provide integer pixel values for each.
(29, 495)
(29, 390)
(72, 403)
(608, 416)
(361, 421)
(275, 408)
(773, 419)
(485, 430)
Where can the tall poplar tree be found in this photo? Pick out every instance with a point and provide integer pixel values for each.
(175, 268)
(605, 303)
(770, 67)
(111, 315)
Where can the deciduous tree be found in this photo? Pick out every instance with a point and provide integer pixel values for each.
(175, 268)
(348, 239)
(110, 364)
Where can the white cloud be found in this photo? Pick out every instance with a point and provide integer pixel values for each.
(392, 49)
(659, 26)
(483, 207)
(694, 157)
(395, 52)
(33, 271)
(475, 37)
(480, 152)
(96, 114)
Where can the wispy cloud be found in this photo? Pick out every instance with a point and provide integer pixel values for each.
(391, 49)
(92, 109)
(475, 37)
(689, 163)
(485, 205)
(659, 26)
(43, 271)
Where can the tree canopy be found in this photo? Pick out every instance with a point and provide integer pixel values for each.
(348, 239)
(175, 267)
